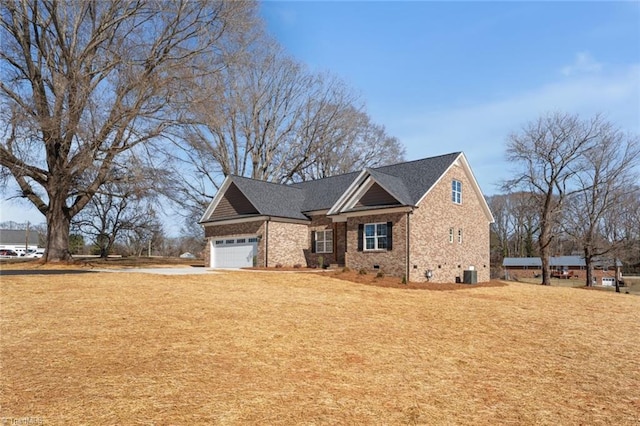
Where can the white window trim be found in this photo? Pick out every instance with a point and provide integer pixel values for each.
(460, 236)
(456, 196)
(375, 236)
(325, 241)
(451, 235)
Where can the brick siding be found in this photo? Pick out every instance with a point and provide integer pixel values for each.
(323, 223)
(287, 243)
(391, 262)
(429, 226)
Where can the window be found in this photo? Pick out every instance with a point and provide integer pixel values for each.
(451, 235)
(253, 240)
(219, 242)
(241, 241)
(375, 236)
(229, 241)
(456, 192)
(460, 236)
(324, 241)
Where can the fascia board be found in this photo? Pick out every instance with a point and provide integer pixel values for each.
(403, 209)
(337, 206)
(476, 187)
(216, 199)
(234, 220)
(323, 212)
(364, 187)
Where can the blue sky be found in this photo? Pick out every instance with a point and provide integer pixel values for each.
(461, 76)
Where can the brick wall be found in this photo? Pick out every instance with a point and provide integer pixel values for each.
(322, 223)
(287, 243)
(429, 226)
(390, 262)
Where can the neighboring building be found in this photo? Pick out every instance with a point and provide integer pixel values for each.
(573, 266)
(18, 240)
(404, 219)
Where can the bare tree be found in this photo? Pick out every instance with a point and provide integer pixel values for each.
(516, 224)
(550, 153)
(277, 122)
(82, 82)
(606, 178)
(119, 205)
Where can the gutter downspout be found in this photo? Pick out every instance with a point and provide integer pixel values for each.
(408, 256)
(266, 242)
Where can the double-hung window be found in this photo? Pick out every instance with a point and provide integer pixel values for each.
(375, 236)
(456, 191)
(324, 241)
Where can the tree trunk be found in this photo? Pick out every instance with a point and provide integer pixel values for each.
(545, 244)
(589, 265)
(58, 225)
(546, 275)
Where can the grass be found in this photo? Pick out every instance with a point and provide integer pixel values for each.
(632, 284)
(278, 348)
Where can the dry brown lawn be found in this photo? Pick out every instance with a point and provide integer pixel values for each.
(278, 348)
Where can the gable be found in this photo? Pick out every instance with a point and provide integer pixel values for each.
(233, 203)
(460, 168)
(376, 196)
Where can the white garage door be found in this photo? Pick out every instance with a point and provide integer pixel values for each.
(234, 252)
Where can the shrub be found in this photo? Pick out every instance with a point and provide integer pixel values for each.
(346, 269)
(278, 265)
(297, 266)
(362, 271)
(380, 274)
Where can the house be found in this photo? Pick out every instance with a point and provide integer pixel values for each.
(569, 266)
(18, 240)
(413, 219)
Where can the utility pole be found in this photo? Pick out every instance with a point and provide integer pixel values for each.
(26, 240)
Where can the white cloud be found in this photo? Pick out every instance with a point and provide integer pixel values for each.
(584, 63)
(481, 129)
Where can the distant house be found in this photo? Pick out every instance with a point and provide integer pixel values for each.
(520, 267)
(414, 219)
(18, 240)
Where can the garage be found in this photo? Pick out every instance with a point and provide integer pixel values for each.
(234, 252)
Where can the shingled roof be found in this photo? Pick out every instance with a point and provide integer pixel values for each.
(17, 237)
(321, 194)
(408, 182)
(420, 175)
(272, 199)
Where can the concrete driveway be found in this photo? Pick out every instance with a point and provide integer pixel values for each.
(159, 271)
(162, 271)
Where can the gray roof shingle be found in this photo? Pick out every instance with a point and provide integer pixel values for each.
(534, 262)
(17, 237)
(558, 261)
(407, 182)
(322, 194)
(272, 199)
(420, 175)
(394, 185)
